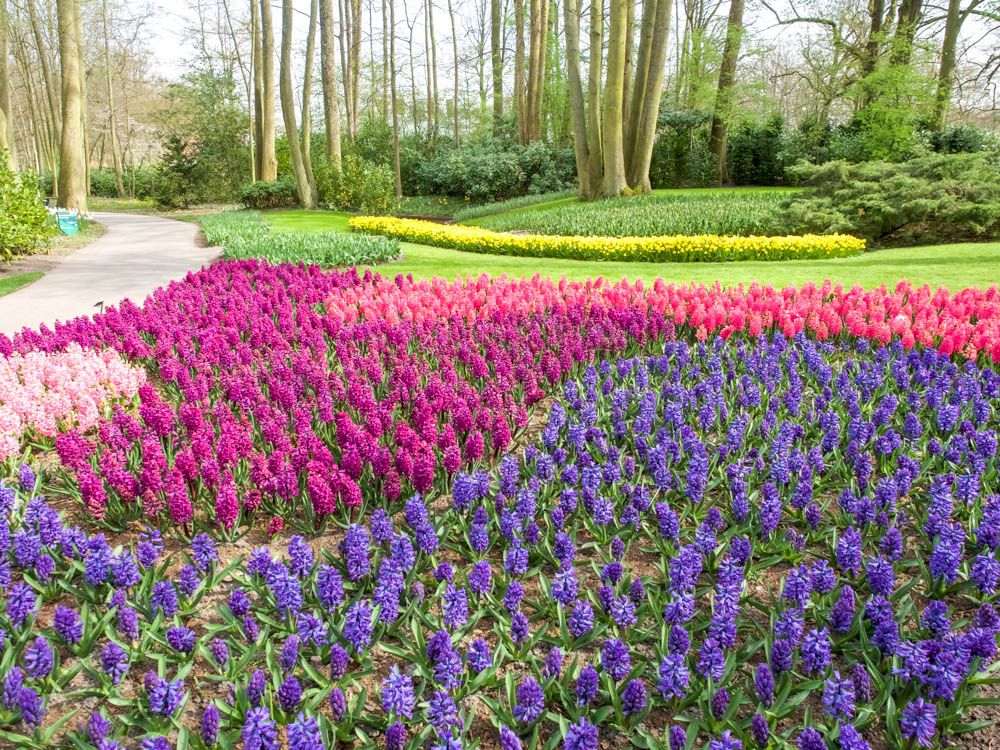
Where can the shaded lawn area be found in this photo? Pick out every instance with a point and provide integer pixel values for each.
(13, 283)
(954, 266)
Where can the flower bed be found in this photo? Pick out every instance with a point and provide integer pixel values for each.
(41, 393)
(753, 542)
(664, 249)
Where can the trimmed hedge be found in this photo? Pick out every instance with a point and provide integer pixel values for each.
(677, 248)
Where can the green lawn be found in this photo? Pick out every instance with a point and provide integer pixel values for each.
(954, 266)
(13, 283)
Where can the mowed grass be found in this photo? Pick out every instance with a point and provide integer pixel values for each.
(13, 283)
(954, 266)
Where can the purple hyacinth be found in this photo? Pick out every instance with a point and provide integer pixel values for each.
(68, 625)
(338, 704)
(530, 701)
(553, 663)
(615, 658)
(128, 623)
(581, 736)
(164, 696)
(11, 686)
(851, 739)
(674, 677)
(358, 627)
(816, 650)
(164, 597)
(810, 739)
(633, 697)
(181, 639)
(862, 683)
(838, 697)
(210, 725)
(239, 603)
(479, 656)
(509, 740)
(919, 722)
(250, 630)
(338, 662)
(719, 703)
(455, 607)
(21, 604)
(519, 628)
(395, 736)
(256, 686)
(31, 705)
(764, 685)
(678, 738)
(114, 662)
(300, 556)
(203, 551)
(26, 478)
(760, 730)
(304, 734)
(586, 684)
(289, 653)
(97, 728)
(220, 652)
(259, 730)
(289, 694)
(480, 578)
(39, 658)
(725, 742)
(397, 693)
(188, 581)
(355, 545)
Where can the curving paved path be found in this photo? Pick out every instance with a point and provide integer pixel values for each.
(135, 256)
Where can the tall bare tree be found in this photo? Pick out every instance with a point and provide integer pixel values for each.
(496, 58)
(615, 182)
(355, 63)
(303, 187)
(328, 73)
(307, 86)
(520, 106)
(6, 116)
(727, 79)
(256, 59)
(116, 157)
(454, 47)
(73, 153)
(395, 105)
(268, 158)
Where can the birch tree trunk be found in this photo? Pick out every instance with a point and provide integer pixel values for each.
(268, 159)
(305, 190)
(385, 60)
(328, 72)
(519, 98)
(395, 106)
(454, 46)
(72, 154)
(727, 79)
(434, 64)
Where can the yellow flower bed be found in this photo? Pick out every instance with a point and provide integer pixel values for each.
(707, 247)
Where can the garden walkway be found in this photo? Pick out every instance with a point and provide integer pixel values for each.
(137, 255)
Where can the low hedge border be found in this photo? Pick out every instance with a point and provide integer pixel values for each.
(710, 248)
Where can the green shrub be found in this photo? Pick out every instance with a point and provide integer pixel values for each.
(179, 183)
(361, 185)
(24, 221)
(245, 234)
(681, 157)
(500, 207)
(268, 194)
(725, 213)
(754, 152)
(138, 185)
(933, 199)
(964, 139)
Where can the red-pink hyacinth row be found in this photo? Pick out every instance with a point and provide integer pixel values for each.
(297, 391)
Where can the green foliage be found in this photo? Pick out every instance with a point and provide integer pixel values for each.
(206, 118)
(24, 221)
(137, 185)
(438, 206)
(754, 152)
(492, 209)
(245, 234)
(725, 213)
(269, 194)
(963, 139)
(681, 157)
(361, 185)
(932, 199)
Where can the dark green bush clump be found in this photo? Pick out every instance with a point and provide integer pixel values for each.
(24, 222)
(934, 199)
(271, 194)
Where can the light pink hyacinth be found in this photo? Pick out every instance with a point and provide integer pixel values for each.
(43, 393)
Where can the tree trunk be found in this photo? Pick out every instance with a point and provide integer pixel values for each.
(355, 65)
(615, 182)
(48, 81)
(395, 106)
(72, 154)
(594, 136)
(539, 25)
(413, 81)
(724, 96)
(434, 63)
(80, 40)
(116, 157)
(646, 98)
(305, 190)
(629, 47)
(906, 28)
(942, 97)
(307, 84)
(345, 60)
(328, 72)
(256, 51)
(268, 159)
(497, 60)
(519, 100)
(385, 60)
(571, 25)
(6, 114)
(454, 46)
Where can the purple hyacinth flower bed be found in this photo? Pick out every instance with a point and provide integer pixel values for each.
(769, 543)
